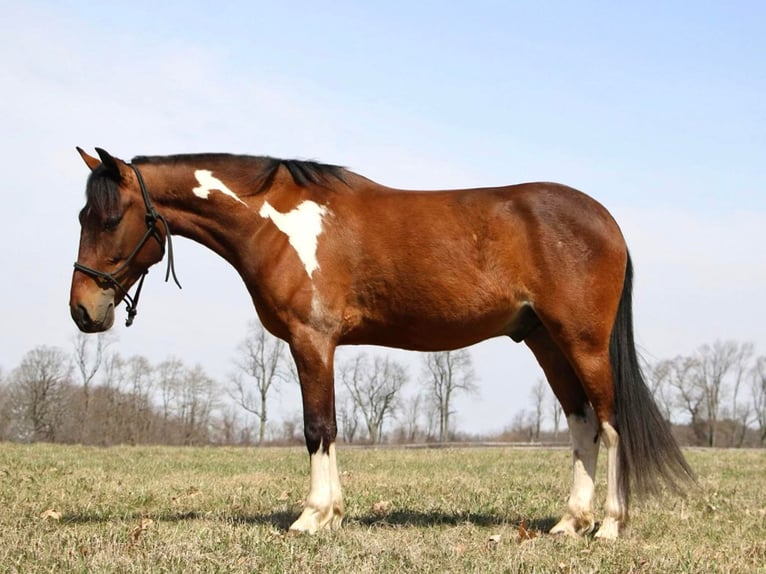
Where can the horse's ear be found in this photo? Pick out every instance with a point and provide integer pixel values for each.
(115, 167)
(89, 160)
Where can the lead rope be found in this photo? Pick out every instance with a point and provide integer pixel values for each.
(151, 219)
(131, 304)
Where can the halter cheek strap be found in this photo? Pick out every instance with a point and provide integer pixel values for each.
(110, 279)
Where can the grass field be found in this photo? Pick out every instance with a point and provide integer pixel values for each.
(156, 509)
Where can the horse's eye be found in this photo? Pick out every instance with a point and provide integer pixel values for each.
(111, 223)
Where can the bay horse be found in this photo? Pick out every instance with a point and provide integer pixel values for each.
(332, 258)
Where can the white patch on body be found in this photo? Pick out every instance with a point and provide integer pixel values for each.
(302, 225)
(207, 183)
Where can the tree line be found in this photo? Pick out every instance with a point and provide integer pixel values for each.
(714, 396)
(717, 393)
(92, 395)
(96, 397)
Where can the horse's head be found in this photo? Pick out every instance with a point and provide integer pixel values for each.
(121, 237)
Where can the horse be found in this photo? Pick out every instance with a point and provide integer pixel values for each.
(332, 258)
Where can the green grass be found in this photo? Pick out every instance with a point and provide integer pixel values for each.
(227, 510)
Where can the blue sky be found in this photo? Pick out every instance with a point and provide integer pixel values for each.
(656, 109)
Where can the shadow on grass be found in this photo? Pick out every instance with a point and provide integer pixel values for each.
(283, 519)
(426, 519)
(93, 518)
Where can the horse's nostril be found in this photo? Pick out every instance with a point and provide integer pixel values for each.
(80, 315)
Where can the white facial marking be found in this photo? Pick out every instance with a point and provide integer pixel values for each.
(302, 226)
(208, 183)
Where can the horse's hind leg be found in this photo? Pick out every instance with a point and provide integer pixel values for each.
(583, 428)
(591, 363)
(616, 503)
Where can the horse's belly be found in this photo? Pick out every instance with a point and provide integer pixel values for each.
(450, 327)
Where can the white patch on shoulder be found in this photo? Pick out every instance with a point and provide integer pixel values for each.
(302, 225)
(207, 183)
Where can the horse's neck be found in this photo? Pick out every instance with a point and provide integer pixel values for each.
(201, 207)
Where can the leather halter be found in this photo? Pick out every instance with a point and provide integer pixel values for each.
(110, 279)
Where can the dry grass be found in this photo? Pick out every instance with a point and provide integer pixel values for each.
(460, 510)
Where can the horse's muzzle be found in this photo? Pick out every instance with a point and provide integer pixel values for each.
(92, 321)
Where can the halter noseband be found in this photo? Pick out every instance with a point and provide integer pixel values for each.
(151, 218)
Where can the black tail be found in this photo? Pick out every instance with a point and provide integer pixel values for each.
(649, 455)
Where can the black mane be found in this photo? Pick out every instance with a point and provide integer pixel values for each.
(257, 172)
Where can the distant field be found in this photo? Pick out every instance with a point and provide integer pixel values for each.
(157, 509)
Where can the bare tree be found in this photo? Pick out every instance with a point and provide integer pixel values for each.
(554, 407)
(683, 375)
(196, 401)
(522, 426)
(169, 375)
(708, 388)
(741, 411)
(758, 393)
(538, 394)
(126, 413)
(292, 428)
(89, 354)
(411, 415)
(5, 411)
(348, 417)
(720, 364)
(374, 387)
(432, 418)
(140, 385)
(447, 373)
(659, 376)
(111, 419)
(37, 394)
(261, 368)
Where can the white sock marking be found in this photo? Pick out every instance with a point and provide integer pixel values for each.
(614, 504)
(302, 225)
(324, 504)
(337, 497)
(208, 183)
(320, 489)
(584, 433)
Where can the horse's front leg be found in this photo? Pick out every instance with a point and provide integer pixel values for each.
(313, 356)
